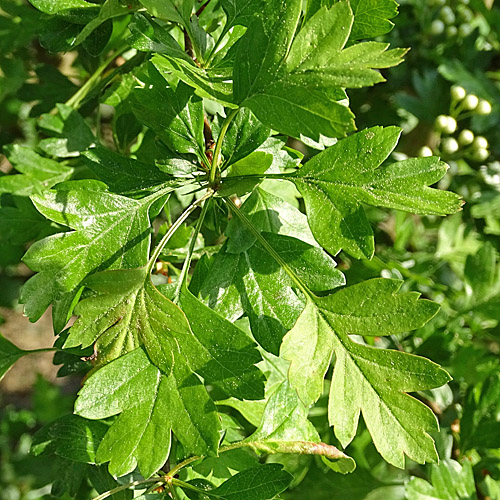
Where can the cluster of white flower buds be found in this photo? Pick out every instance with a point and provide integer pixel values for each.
(462, 105)
(452, 23)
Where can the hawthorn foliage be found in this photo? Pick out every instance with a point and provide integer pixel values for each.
(167, 209)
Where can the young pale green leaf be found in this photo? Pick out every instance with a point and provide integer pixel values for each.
(71, 437)
(291, 81)
(125, 175)
(366, 379)
(449, 480)
(262, 482)
(348, 174)
(126, 312)
(150, 404)
(176, 115)
(110, 231)
(9, 354)
(285, 428)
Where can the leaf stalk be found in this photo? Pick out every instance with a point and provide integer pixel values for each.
(218, 146)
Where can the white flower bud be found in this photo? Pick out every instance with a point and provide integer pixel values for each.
(447, 15)
(465, 13)
(449, 145)
(437, 27)
(425, 151)
(480, 142)
(446, 124)
(471, 101)
(465, 137)
(451, 31)
(480, 155)
(483, 108)
(465, 30)
(457, 92)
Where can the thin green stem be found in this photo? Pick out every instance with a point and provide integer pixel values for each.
(77, 98)
(173, 228)
(187, 486)
(300, 284)
(107, 494)
(44, 349)
(218, 146)
(192, 243)
(175, 470)
(281, 177)
(172, 491)
(214, 48)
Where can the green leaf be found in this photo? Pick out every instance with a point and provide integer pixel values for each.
(251, 280)
(240, 12)
(150, 404)
(348, 174)
(480, 425)
(72, 134)
(9, 354)
(70, 437)
(212, 83)
(109, 10)
(127, 311)
(367, 379)
(244, 135)
(371, 18)
(262, 482)
(291, 82)
(125, 175)
(176, 115)
(43, 170)
(60, 7)
(220, 352)
(449, 481)
(22, 223)
(285, 428)
(150, 36)
(110, 232)
(178, 11)
(481, 282)
(271, 214)
(102, 481)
